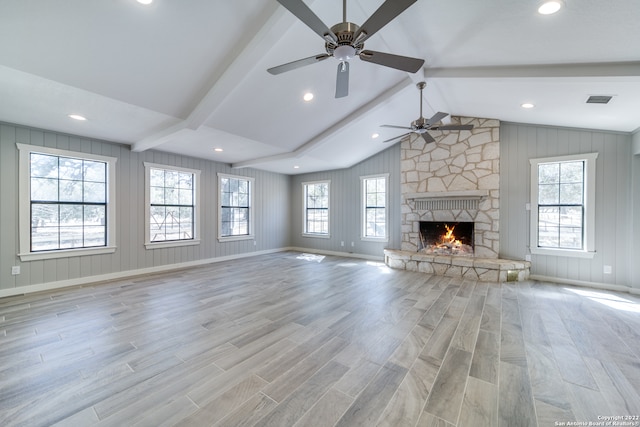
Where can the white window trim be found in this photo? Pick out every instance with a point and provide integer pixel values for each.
(24, 203)
(148, 244)
(589, 204)
(363, 209)
(251, 235)
(304, 210)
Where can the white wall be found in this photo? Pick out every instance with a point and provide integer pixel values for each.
(615, 185)
(344, 212)
(271, 208)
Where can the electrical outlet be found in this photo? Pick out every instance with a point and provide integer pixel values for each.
(527, 257)
(254, 243)
(15, 270)
(527, 207)
(341, 243)
(353, 244)
(607, 269)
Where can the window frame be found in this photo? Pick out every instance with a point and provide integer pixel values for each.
(305, 232)
(251, 222)
(147, 211)
(364, 208)
(589, 189)
(24, 204)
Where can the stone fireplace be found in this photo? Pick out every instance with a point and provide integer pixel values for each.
(454, 180)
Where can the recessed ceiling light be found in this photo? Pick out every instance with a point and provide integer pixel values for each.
(308, 96)
(527, 105)
(77, 117)
(145, 1)
(218, 150)
(549, 7)
(375, 135)
(296, 167)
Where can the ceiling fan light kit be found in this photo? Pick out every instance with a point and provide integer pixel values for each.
(421, 126)
(345, 41)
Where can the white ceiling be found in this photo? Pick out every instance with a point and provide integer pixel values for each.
(188, 76)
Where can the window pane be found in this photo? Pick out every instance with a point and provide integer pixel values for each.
(571, 194)
(70, 169)
(171, 196)
(94, 236)
(171, 178)
(70, 215)
(44, 189)
(156, 177)
(70, 191)
(156, 223)
(185, 196)
(572, 172)
(95, 215)
(71, 237)
(157, 195)
(548, 173)
(95, 171)
(95, 192)
(548, 194)
(43, 166)
(186, 180)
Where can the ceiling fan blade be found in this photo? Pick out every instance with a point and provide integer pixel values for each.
(306, 15)
(427, 138)
(381, 17)
(396, 127)
(297, 64)
(453, 127)
(436, 118)
(342, 80)
(397, 137)
(404, 63)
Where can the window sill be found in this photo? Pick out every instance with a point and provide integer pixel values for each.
(236, 238)
(319, 236)
(375, 239)
(171, 244)
(66, 253)
(563, 252)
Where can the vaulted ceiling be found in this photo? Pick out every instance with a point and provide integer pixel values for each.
(190, 76)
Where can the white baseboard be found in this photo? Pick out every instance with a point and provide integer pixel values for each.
(80, 281)
(596, 285)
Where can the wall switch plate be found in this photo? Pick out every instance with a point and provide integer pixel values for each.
(607, 269)
(353, 244)
(15, 270)
(341, 243)
(527, 206)
(527, 257)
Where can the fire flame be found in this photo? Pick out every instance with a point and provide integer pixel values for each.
(449, 239)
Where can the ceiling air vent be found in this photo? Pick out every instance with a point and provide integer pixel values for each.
(599, 99)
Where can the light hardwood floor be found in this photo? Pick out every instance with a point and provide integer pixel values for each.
(277, 340)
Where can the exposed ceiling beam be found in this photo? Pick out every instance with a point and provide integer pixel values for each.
(247, 50)
(603, 69)
(331, 130)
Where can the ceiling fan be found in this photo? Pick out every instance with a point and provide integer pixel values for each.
(345, 41)
(421, 126)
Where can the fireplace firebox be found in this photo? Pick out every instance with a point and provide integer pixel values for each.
(446, 238)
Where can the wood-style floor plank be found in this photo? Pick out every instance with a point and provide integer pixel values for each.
(280, 340)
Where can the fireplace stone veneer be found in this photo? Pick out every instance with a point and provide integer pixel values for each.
(455, 179)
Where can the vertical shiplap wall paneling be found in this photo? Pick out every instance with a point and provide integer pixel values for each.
(614, 187)
(272, 210)
(345, 221)
(8, 210)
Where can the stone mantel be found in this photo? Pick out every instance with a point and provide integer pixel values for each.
(448, 195)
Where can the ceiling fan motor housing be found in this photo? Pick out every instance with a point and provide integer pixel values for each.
(420, 125)
(345, 48)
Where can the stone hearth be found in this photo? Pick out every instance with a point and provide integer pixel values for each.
(482, 269)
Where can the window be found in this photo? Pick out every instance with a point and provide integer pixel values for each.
(235, 219)
(172, 201)
(67, 206)
(374, 207)
(562, 205)
(316, 208)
